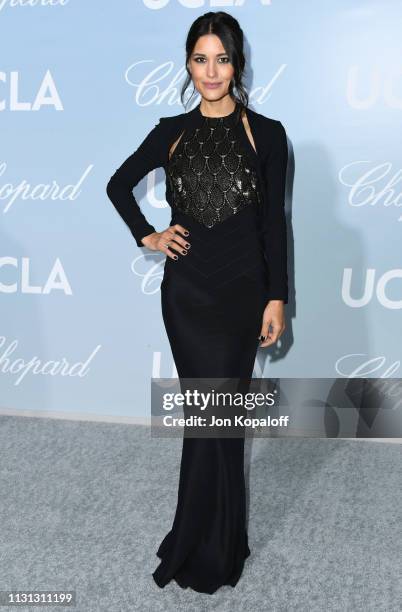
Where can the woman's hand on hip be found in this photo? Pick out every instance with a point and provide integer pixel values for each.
(273, 316)
(169, 241)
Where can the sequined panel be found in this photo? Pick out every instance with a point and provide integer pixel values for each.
(209, 174)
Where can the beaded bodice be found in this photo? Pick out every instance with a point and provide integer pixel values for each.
(209, 172)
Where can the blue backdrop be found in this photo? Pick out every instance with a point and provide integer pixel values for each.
(82, 83)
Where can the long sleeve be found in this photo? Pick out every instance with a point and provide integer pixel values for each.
(147, 157)
(274, 230)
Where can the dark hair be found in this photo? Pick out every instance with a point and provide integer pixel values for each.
(227, 28)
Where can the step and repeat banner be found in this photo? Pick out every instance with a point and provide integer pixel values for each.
(82, 84)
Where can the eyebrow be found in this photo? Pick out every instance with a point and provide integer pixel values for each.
(203, 54)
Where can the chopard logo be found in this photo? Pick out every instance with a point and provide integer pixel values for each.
(371, 184)
(359, 365)
(18, 367)
(31, 3)
(161, 85)
(23, 190)
(151, 277)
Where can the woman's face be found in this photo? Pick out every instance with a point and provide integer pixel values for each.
(209, 65)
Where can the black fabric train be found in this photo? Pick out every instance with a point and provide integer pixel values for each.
(230, 198)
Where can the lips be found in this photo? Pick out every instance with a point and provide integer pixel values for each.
(212, 85)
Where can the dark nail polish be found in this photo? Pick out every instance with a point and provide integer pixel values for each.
(187, 246)
(186, 233)
(175, 257)
(184, 252)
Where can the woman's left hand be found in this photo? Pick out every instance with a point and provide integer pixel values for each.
(273, 316)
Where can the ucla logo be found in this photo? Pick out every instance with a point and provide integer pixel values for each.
(373, 288)
(46, 93)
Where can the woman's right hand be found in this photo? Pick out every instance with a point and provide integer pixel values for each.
(157, 241)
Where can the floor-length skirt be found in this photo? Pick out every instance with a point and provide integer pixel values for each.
(212, 300)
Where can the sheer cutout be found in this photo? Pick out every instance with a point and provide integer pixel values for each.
(174, 145)
(248, 131)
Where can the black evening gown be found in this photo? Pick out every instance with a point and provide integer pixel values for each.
(212, 301)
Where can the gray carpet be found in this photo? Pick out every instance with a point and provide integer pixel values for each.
(85, 505)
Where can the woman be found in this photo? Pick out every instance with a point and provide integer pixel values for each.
(225, 279)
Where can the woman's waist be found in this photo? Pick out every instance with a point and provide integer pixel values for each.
(240, 228)
(234, 245)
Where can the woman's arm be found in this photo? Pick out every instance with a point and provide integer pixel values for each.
(147, 157)
(274, 228)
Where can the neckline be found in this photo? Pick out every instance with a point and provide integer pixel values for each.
(221, 118)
